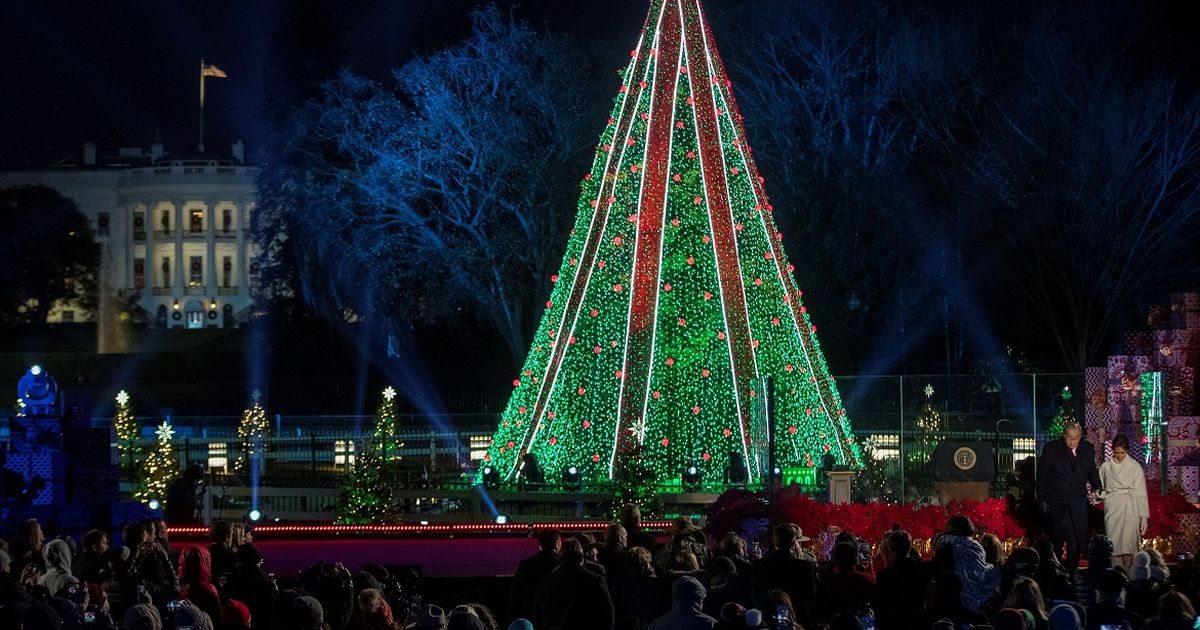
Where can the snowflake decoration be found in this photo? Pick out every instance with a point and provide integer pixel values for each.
(122, 397)
(164, 432)
(929, 390)
(389, 393)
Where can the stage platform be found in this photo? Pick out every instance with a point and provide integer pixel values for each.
(441, 550)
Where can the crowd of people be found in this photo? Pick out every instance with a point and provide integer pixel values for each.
(626, 579)
(146, 583)
(630, 580)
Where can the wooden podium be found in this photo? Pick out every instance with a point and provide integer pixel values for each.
(839, 485)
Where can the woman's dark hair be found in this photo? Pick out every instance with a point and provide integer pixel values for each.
(1121, 441)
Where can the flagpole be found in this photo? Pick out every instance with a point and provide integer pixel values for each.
(201, 106)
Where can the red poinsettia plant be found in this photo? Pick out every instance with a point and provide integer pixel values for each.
(1164, 514)
(872, 520)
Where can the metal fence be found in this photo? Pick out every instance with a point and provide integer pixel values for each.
(899, 420)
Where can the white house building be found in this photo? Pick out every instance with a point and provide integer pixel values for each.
(174, 232)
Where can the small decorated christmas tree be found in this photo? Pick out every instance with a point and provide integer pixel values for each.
(159, 469)
(126, 427)
(1062, 415)
(929, 422)
(367, 495)
(251, 431)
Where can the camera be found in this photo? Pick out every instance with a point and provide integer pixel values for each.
(174, 605)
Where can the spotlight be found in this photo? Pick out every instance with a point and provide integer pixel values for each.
(175, 306)
(570, 478)
(691, 479)
(502, 519)
(491, 477)
(254, 516)
(154, 505)
(35, 370)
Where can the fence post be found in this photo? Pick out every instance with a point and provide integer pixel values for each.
(903, 490)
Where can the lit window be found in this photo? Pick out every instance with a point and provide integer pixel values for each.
(1022, 448)
(218, 458)
(887, 446)
(196, 271)
(197, 224)
(343, 452)
(479, 446)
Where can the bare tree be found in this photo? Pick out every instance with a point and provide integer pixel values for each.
(442, 194)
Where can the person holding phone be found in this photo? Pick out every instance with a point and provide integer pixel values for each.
(1126, 506)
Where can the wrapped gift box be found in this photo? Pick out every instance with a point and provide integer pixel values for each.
(1139, 342)
(1158, 317)
(1122, 378)
(1179, 391)
(1186, 301)
(1172, 349)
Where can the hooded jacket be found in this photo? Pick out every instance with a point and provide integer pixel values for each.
(687, 600)
(58, 566)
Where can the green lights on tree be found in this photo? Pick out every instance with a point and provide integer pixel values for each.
(1063, 415)
(251, 431)
(673, 298)
(159, 468)
(126, 428)
(367, 494)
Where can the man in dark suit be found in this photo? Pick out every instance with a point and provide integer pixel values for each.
(901, 584)
(572, 597)
(530, 572)
(1064, 470)
(783, 569)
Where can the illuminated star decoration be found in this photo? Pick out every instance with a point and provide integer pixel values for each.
(122, 397)
(164, 432)
(256, 396)
(1066, 393)
(929, 390)
(389, 393)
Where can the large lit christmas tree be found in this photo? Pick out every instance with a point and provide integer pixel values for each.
(674, 296)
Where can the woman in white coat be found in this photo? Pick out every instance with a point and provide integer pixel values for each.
(1126, 508)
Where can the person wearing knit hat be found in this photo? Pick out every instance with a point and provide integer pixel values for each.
(189, 615)
(306, 613)
(235, 615)
(1013, 619)
(754, 618)
(732, 615)
(1141, 566)
(464, 618)
(431, 618)
(1110, 601)
(142, 617)
(1064, 617)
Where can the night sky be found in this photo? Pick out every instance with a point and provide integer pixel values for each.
(114, 72)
